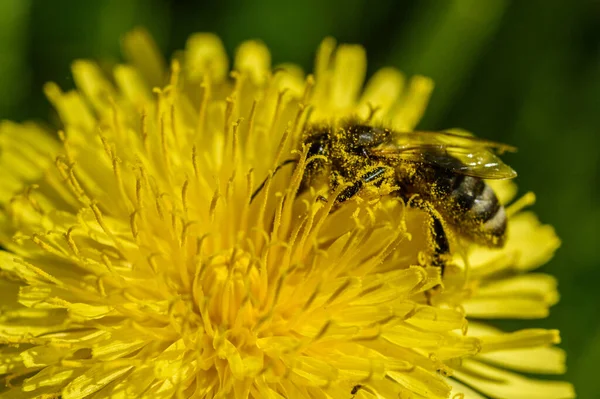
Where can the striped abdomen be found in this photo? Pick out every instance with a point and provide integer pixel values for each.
(472, 207)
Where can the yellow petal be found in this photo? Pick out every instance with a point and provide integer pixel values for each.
(459, 389)
(323, 58)
(49, 377)
(205, 55)
(525, 350)
(131, 85)
(119, 344)
(529, 245)
(93, 84)
(349, 68)
(541, 360)
(254, 59)
(526, 296)
(11, 360)
(140, 50)
(503, 384)
(502, 308)
(413, 104)
(71, 108)
(520, 339)
(26, 153)
(535, 242)
(93, 380)
(381, 92)
(421, 382)
(290, 77)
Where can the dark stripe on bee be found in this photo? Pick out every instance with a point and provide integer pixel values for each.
(472, 203)
(474, 196)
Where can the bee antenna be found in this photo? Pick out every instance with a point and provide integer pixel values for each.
(262, 185)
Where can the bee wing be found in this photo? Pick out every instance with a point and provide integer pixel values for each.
(466, 155)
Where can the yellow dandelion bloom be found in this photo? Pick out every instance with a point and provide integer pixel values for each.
(138, 263)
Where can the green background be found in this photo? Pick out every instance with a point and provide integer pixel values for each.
(523, 72)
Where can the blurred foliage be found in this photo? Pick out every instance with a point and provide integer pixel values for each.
(523, 72)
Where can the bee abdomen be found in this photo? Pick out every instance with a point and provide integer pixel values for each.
(479, 204)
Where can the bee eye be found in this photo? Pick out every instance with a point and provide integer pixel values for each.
(316, 148)
(362, 136)
(365, 139)
(367, 136)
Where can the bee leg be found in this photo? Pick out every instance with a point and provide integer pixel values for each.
(440, 242)
(352, 190)
(441, 249)
(438, 239)
(437, 234)
(349, 192)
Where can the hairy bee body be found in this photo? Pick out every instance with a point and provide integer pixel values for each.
(426, 173)
(467, 203)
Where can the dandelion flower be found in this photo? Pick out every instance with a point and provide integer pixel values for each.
(137, 266)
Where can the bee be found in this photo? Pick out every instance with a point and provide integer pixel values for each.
(441, 173)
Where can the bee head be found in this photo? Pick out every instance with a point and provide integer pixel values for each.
(317, 144)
